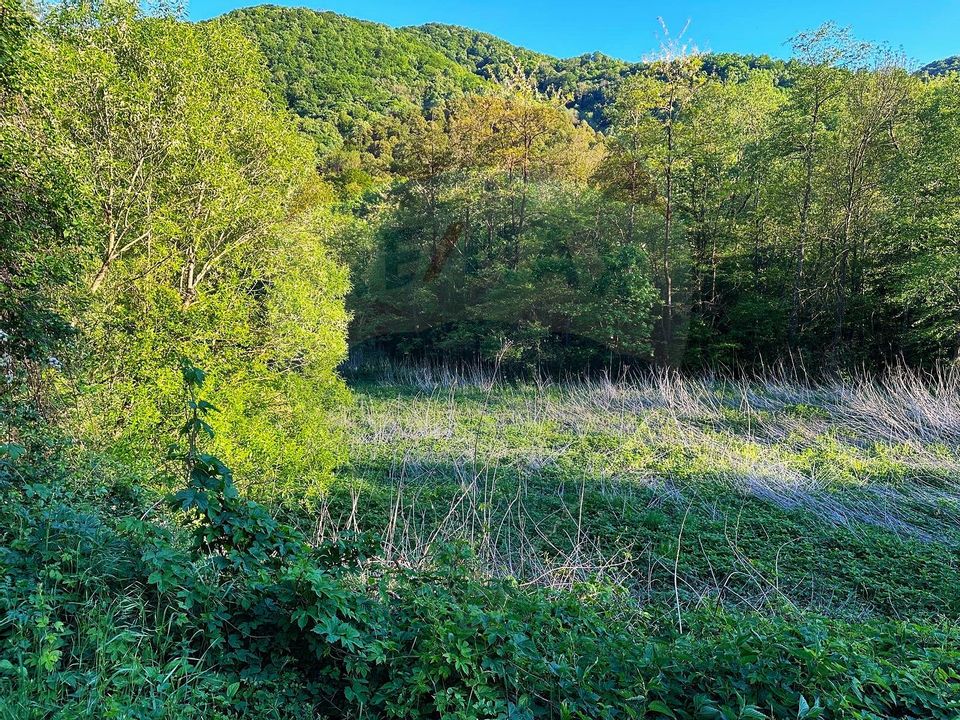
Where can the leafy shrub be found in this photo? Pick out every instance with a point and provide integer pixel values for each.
(111, 616)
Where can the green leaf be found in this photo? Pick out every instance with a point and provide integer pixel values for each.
(12, 451)
(659, 707)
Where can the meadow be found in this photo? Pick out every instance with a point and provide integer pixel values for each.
(840, 497)
(210, 509)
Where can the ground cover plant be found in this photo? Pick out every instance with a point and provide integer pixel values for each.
(213, 608)
(840, 496)
(205, 512)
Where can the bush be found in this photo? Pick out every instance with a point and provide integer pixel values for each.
(113, 616)
(206, 237)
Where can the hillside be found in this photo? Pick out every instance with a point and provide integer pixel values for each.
(341, 71)
(942, 67)
(343, 74)
(482, 53)
(587, 81)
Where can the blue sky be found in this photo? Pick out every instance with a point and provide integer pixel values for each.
(924, 30)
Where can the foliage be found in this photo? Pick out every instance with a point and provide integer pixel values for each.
(42, 215)
(243, 618)
(655, 547)
(494, 240)
(781, 189)
(209, 230)
(922, 269)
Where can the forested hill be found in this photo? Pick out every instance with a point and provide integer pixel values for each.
(340, 72)
(586, 82)
(942, 67)
(342, 75)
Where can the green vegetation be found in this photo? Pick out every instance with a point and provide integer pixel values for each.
(764, 201)
(495, 550)
(827, 498)
(198, 519)
(942, 67)
(354, 83)
(206, 238)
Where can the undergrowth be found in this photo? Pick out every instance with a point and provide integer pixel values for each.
(501, 588)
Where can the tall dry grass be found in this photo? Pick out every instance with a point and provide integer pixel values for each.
(880, 451)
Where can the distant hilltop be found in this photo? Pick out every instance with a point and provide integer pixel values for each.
(942, 67)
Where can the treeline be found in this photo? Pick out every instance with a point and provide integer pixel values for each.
(712, 210)
(158, 204)
(715, 222)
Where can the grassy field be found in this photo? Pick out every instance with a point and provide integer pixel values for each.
(842, 498)
(657, 547)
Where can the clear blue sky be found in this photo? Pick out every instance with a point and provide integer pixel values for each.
(925, 30)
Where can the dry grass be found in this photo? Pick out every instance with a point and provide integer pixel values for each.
(864, 452)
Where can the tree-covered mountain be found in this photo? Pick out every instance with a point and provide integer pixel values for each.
(942, 67)
(585, 82)
(483, 53)
(340, 73)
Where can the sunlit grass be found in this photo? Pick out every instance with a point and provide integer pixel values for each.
(837, 495)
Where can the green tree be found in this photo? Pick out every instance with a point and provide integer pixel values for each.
(650, 148)
(919, 268)
(807, 123)
(43, 222)
(211, 238)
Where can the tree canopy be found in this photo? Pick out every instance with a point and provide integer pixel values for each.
(762, 200)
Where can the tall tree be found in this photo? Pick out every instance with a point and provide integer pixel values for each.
(919, 268)
(210, 236)
(43, 221)
(650, 130)
(821, 56)
(877, 99)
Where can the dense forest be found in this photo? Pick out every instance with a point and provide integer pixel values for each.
(694, 210)
(349, 371)
(942, 67)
